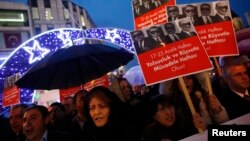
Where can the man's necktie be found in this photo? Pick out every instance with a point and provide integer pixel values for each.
(159, 41)
(208, 20)
(226, 18)
(247, 97)
(140, 44)
(176, 37)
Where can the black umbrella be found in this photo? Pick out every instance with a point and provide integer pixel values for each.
(73, 66)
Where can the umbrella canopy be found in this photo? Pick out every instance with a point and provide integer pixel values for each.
(134, 76)
(73, 66)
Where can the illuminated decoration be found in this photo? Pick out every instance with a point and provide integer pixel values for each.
(36, 52)
(21, 59)
(64, 36)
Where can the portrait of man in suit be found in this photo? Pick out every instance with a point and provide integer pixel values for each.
(158, 3)
(147, 5)
(140, 41)
(186, 29)
(156, 37)
(206, 17)
(171, 33)
(222, 9)
(191, 12)
(137, 8)
(173, 13)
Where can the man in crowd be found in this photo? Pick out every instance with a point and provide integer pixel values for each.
(70, 109)
(35, 126)
(16, 121)
(235, 96)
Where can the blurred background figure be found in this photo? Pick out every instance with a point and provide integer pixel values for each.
(69, 106)
(78, 122)
(58, 119)
(16, 121)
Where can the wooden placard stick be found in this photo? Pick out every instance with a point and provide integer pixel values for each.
(188, 99)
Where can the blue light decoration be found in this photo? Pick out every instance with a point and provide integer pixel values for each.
(34, 49)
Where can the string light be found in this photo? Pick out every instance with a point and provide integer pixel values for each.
(39, 46)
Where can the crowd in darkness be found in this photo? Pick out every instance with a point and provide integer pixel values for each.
(135, 113)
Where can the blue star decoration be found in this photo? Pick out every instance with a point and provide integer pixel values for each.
(36, 52)
(21, 59)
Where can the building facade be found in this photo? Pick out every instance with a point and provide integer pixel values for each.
(21, 21)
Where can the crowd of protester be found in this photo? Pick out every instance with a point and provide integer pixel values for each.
(124, 112)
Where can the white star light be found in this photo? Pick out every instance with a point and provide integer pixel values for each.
(36, 52)
(112, 35)
(65, 37)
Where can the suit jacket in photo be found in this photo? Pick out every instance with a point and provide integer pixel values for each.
(196, 20)
(218, 18)
(145, 10)
(202, 22)
(176, 18)
(170, 40)
(152, 43)
(184, 35)
(142, 47)
(138, 12)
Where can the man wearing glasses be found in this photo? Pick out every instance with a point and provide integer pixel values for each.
(171, 33)
(156, 37)
(205, 18)
(222, 11)
(173, 13)
(140, 42)
(186, 29)
(191, 12)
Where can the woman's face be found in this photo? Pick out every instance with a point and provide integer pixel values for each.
(125, 89)
(99, 111)
(165, 115)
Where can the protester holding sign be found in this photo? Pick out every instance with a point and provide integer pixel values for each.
(208, 106)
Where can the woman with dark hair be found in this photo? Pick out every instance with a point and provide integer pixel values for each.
(106, 119)
(164, 122)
